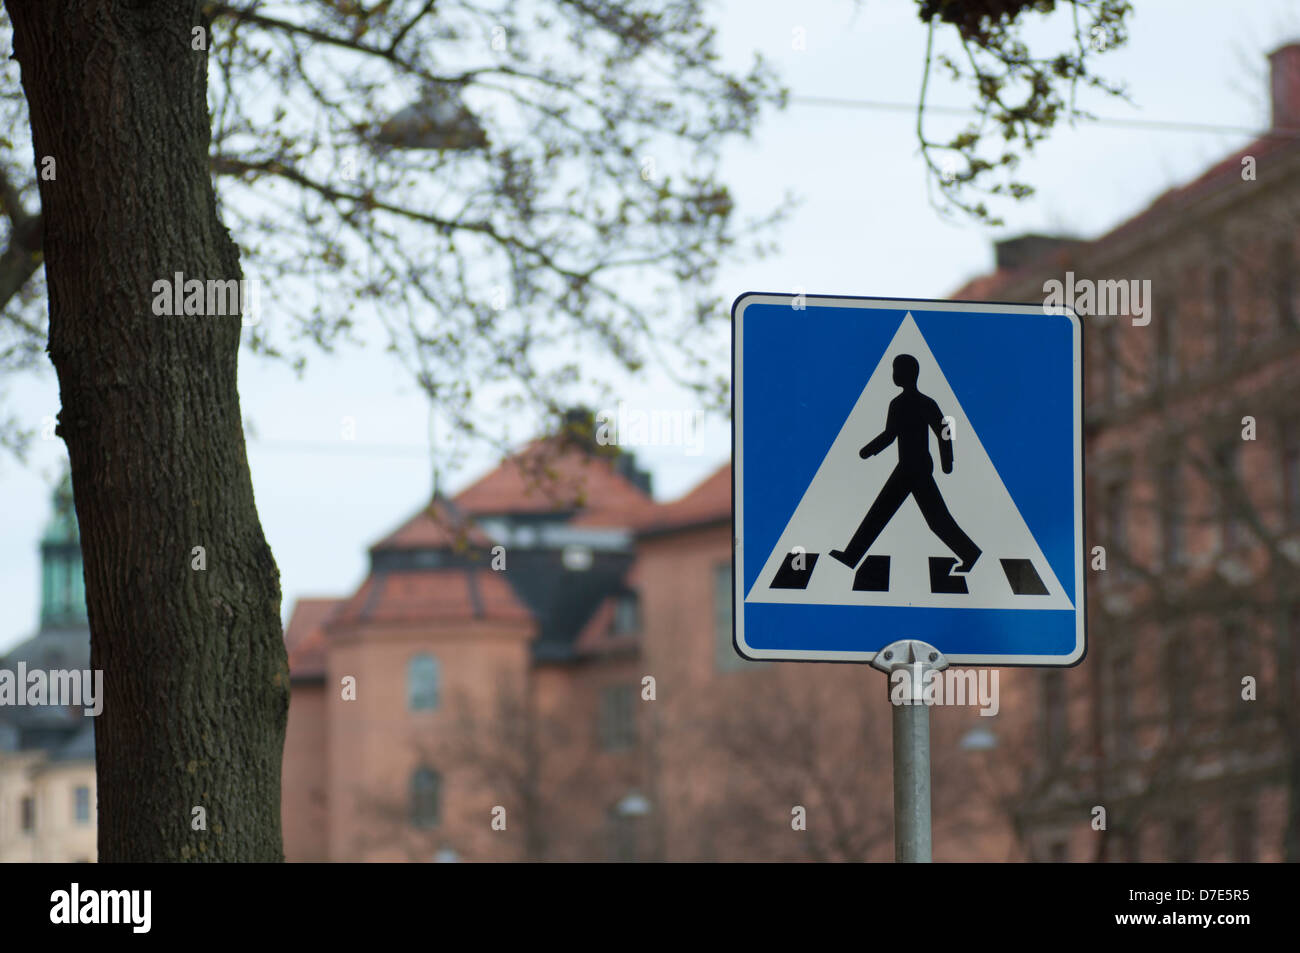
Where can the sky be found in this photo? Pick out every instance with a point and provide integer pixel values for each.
(863, 226)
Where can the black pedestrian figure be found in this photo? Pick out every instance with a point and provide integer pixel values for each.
(912, 415)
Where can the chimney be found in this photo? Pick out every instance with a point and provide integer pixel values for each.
(1284, 66)
(1017, 252)
(625, 466)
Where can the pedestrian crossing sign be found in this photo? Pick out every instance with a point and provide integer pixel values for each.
(907, 470)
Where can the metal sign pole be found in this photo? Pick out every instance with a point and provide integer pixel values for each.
(911, 745)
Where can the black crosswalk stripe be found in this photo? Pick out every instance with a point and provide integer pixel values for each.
(1023, 578)
(790, 576)
(942, 579)
(872, 575)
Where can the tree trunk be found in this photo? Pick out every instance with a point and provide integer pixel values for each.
(195, 675)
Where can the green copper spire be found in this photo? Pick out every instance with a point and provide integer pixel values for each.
(63, 587)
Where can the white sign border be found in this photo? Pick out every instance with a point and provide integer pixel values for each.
(738, 462)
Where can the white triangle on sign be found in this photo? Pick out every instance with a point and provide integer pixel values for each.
(845, 485)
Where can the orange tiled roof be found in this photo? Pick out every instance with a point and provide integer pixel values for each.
(433, 595)
(546, 477)
(304, 636)
(440, 525)
(708, 502)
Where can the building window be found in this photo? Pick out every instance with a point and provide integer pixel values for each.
(1227, 473)
(1166, 344)
(1284, 284)
(1110, 365)
(617, 722)
(423, 683)
(1055, 722)
(29, 815)
(1290, 450)
(1182, 840)
(1178, 687)
(1293, 639)
(1172, 521)
(627, 614)
(576, 558)
(623, 831)
(426, 797)
(1225, 323)
(81, 804)
(1121, 707)
(1242, 835)
(1237, 662)
(1133, 846)
(1114, 504)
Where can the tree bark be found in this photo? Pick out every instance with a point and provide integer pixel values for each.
(195, 674)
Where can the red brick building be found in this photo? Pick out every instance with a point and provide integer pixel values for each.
(581, 700)
(1182, 722)
(583, 694)
(443, 708)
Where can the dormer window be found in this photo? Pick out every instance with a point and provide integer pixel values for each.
(577, 558)
(627, 614)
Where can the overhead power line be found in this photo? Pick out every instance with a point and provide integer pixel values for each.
(1160, 125)
(342, 448)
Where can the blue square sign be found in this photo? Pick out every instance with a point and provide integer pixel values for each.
(907, 470)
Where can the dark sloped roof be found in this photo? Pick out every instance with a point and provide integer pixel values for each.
(80, 747)
(52, 648)
(46, 727)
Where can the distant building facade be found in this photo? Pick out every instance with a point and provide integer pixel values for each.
(1182, 723)
(480, 683)
(47, 752)
(582, 699)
